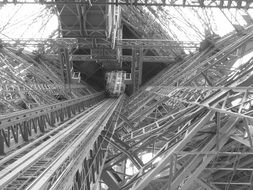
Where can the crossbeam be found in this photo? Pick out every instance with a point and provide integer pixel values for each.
(155, 59)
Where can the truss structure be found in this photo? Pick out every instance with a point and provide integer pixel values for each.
(30, 80)
(194, 118)
(196, 121)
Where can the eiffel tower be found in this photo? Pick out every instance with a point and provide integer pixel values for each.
(185, 121)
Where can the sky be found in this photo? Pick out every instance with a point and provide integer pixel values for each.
(27, 21)
(187, 24)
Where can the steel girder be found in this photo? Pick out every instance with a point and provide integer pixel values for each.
(29, 80)
(34, 85)
(92, 172)
(46, 43)
(154, 59)
(73, 158)
(21, 127)
(174, 129)
(155, 43)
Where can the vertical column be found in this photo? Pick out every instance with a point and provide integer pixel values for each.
(62, 67)
(1, 143)
(65, 66)
(119, 48)
(140, 66)
(68, 67)
(136, 68)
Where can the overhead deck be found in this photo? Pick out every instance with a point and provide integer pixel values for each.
(184, 3)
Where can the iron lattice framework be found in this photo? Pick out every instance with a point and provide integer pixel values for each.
(29, 79)
(194, 118)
